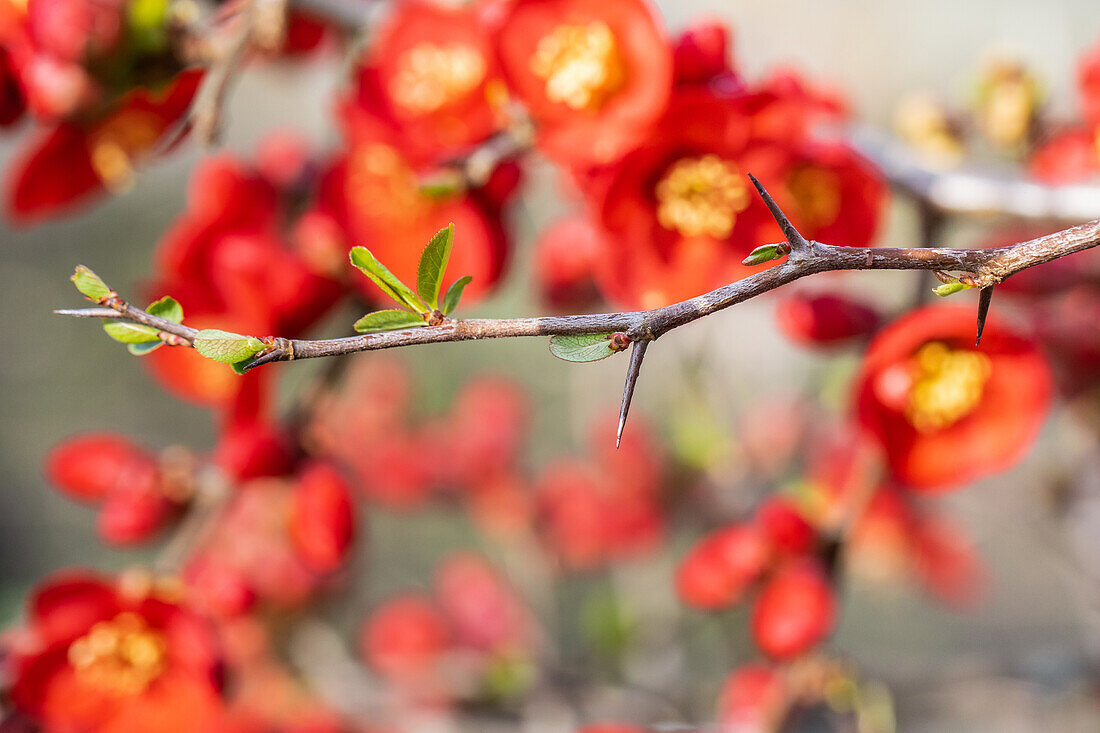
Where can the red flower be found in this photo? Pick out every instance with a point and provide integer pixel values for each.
(322, 518)
(405, 637)
(721, 567)
(1088, 84)
(123, 477)
(227, 261)
(752, 699)
(566, 258)
(678, 209)
(483, 609)
(592, 75)
(824, 319)
(945, 412)
(373, 195)
(77, 160)
(431, 73)
(702, 54)
(795, 610)
(1068, 157)
(107, 657)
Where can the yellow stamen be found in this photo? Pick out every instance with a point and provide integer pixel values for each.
(429, 77)
(122, 656)
(947, 386)
(580, 64)
(118, 142)
(382, 183)
(816, 193)
(701, 196)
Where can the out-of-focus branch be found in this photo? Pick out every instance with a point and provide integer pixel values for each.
(970, 190)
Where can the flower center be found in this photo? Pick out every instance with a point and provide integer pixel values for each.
(122, 655)
(381, 182)
(580, 64)
(429, 77)
(701, 196)
(816, 193)
(118, 142)
(947, 386)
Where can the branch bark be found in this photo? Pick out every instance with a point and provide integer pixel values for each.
(989, 267)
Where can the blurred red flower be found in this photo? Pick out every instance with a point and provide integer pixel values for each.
(824, 319)
(431, 73)
(947, 413)
(78, 159)
(103, 656)
(592, 75)
(1069, 156)
(372, 194)
(124, 478)
(1088, 85)
(795, 610)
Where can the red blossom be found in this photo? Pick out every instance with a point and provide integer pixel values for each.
(947, 413)
(405, 637)
(1088, 84)
(108, 657)
(77, 160)
(592, 75)
(431, 73)
(322, 519)
(795, 610)
(1070, 156)
(719, 569)
(752, 698)
(825, 319)
(566, 258)
(372, 194)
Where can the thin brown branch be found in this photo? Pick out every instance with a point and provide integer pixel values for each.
(989, 267)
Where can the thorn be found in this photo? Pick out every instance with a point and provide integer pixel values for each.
(87, 312)
(632, 372)
(797, 241)
(985, 295)
(273, 355)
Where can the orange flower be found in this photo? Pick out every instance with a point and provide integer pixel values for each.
(947, 413)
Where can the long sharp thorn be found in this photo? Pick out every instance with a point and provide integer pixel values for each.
(796, 240)
(273, 355)
(985, 295)
(637, 353)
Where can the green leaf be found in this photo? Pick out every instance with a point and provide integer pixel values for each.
(454, 294)
(586, 347)
(166, 308)
(950, 288)
(89, 284)
(144, 348)
(130, 333)
(433, 263)
(388, 320)
(239, 366)
(362, 258)
(226, 347)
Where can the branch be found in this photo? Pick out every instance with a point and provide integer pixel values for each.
(981, 268)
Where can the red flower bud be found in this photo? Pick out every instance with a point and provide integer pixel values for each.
(751, 698)
(795, 610)
(824, 319)
(785, 527)
(404, 638)
(132, 515)
(97, 464)
(720, 567)
(322, 518)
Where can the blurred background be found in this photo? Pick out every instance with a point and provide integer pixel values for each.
(1024, 659)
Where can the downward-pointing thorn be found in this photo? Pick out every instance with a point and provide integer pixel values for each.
(637, 353)
(797, 241)
(985, 295)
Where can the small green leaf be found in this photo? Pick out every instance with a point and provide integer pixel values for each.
(388, 320)
(454, 294)
(442, 185)
(127, 332)
(89, 284)
(950, 288)
(362, 258)
(433, 262)
(144, 348)
(226, 347)
(586, 347)
(766, 253)
(166, 308)
(239, 366)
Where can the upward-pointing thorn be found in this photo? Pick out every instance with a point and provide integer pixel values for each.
(637, 353)
(797, 241)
